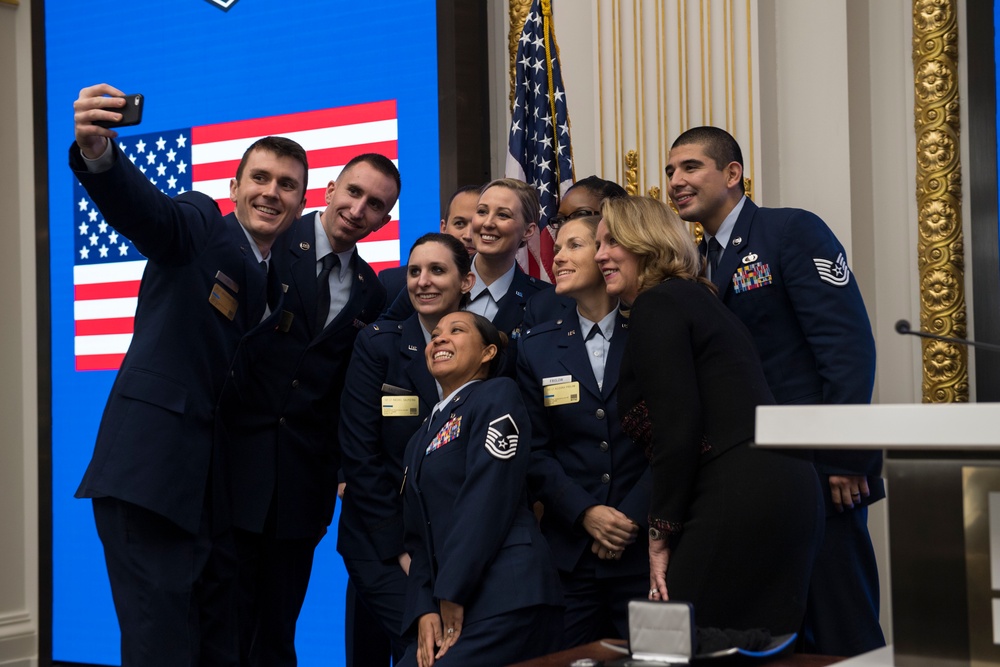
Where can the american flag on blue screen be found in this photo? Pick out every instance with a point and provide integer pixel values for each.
(107, 269)
(539, 149)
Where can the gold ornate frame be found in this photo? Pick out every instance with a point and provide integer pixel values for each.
(940, 245)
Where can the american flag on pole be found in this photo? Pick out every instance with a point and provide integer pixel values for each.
(539, 149)
(107, 269)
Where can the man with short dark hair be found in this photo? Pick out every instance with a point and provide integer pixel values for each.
(158, 477)
(282, 406)
(785, 274)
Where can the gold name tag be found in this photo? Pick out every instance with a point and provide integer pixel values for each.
(561, 394)
(400, 406)
(223, 301)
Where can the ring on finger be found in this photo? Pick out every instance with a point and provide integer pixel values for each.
(451, 631)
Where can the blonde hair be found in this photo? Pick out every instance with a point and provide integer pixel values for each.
(658, 238)
(527, 196)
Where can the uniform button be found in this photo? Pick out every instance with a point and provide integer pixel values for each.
(282, 421)
(600, 413)
(604, 446)
(605, 478)
(295, 384)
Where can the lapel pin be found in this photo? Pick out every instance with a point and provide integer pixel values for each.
(752, 257)
(361, 277)
(571, 332)
(519, 294)
(413, 348)
(304, 245)
(738, 240)
(559, 321)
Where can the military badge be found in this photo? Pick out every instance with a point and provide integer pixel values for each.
(501, 438)
(836, 272)
(448, 432)
(751, 276)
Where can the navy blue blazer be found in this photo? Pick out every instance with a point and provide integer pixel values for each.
(579, 455)
(394, 281)
(388, 361)
(282, 405)
(785, 275)
(470, 532)
(155, 443)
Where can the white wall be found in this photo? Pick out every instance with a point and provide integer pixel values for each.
(18, 331)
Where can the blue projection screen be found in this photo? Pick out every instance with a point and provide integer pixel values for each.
(211, 74)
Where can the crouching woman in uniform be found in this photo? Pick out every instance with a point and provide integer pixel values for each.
(482, 589)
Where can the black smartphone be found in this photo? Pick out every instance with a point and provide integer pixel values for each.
(131, 113)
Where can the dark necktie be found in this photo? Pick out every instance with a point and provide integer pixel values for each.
(323, 289)
(594, 331)
(714, 253)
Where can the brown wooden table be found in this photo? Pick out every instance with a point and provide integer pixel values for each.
(598, 652)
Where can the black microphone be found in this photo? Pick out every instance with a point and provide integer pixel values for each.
(903, 328)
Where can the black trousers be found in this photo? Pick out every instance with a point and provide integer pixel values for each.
(842, 610)
(597, 607)
(174, 591)
(380, 593)
(273, 579)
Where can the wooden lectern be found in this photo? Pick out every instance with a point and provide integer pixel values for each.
(942, 472)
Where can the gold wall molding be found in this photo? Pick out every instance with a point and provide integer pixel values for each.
(518, 10)
(940, 251)
(631, 184)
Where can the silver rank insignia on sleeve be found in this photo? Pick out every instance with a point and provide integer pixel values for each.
(836, 272)
(501, 438)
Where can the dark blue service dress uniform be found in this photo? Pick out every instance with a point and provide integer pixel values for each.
(281, 408)
(581, 458)
(785, 275)
(159, 467)
(471, 533)
(391, 394)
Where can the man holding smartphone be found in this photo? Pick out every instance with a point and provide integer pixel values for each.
(159, 475)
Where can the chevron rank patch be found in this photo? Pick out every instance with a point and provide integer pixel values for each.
(836, 272)
(501, 438)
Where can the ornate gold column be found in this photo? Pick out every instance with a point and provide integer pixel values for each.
(518, 12)
(940, 249)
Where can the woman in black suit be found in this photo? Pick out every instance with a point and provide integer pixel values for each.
(390, 393)
(482, 589)
(732, 529)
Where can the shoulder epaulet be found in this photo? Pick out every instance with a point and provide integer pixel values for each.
(543, 327)
(384, 327)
